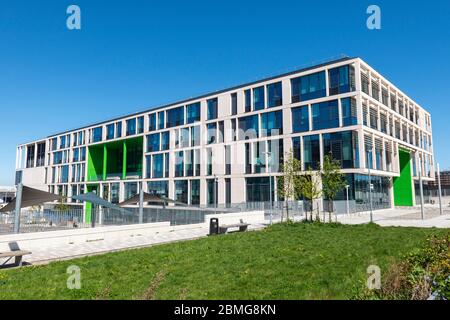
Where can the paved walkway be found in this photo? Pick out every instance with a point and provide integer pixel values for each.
(60, 252)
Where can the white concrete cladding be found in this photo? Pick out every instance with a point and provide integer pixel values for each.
(385, 118)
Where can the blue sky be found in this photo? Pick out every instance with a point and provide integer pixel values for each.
(133, 55)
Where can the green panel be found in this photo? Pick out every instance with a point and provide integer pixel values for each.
(403, 192)
(124, 161)
(88, 208)
(95, 163)
(105, 161)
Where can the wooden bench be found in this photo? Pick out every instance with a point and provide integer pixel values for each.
(17, 255)
(242, 227)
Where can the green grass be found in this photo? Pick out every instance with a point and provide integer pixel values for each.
(300, 261)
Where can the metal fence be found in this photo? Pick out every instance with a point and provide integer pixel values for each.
(52, 220)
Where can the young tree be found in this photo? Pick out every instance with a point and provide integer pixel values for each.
(333, 181)
(289, 180)
(310, 189)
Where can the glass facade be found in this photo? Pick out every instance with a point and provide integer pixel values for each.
(195, 192)
(131, 127)
(275, 95)
(152, 122)
(272, 123)
(158, 165)
(349, 112)
(212, 105)
(308, 87)
(193, 112)
(181, 191)
(258, 189)
(325, 115)
(153, 142)
(300, 119)
(343, 147)
(175, 117)
(160, 188)
(341, 79)
(248, 127)
(97, 134)
(311, 152)
(258, 98)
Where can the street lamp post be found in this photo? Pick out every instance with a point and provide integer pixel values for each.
(439, 189)
(346, 191)
(269, 156)
(422, 213)
(370, 185)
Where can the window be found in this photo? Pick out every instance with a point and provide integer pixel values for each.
(62, 142)
(349, 115)
(227, 190)
(148, 167)
(343, 147)
(385, 97)
(259, 152)
(393, 102)
(373, 119)
(211, 187)
(248, 100)
(189, 163)
(160, 188)
(179, 164)
(166, 164)
(140, 125)
(375, 90)
(131, 189)
(212, 132)
(383, 122)
(258, 189)
(118, 129)
(364, 83)
(308, 87)
(64, 174)
(181, 191)
(234, 103)
(153, 142)
(325, 115)
(76, 155)
(258, 98)
(175, 117)
(165, 140)
(296, 148)
(368, 150)
(272, 123)
(131, 127)
(227, 159)
(220, 136)
(195, 192)
(30, 156)
(97, 134)
(40, 161)
(158, 164)
(300, 119)
(184, 137)
(161, 120)
(152, 122)
(54, 144)
(275, 96)
(342, 79)
(233, 129)
(212, 108)
(193, 112)
(195, 136)
(311, 152)
(248, 127)
(248, 159)
(110, 131)
(197, 161)
(209, 162)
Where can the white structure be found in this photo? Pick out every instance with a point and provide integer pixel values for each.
(343, 107)
(6, 194)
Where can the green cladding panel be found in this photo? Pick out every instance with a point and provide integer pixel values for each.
(403, 191)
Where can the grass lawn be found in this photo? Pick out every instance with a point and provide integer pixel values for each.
(299, 261)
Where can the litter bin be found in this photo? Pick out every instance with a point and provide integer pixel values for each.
(213, 226)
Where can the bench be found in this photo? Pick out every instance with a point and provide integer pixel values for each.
(15, 253)
(242, 227)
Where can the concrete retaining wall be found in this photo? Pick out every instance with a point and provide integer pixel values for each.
(28, 241)
(230, 218)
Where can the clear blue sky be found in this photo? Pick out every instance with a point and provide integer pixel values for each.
(133, 55)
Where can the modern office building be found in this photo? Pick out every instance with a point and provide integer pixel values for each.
(6, 194)
(218, 145)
